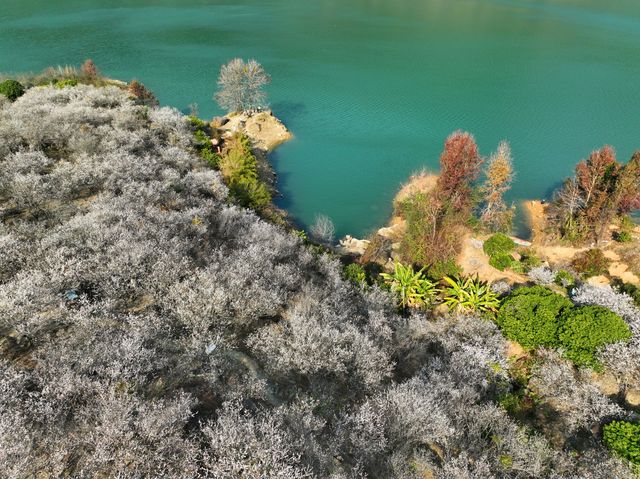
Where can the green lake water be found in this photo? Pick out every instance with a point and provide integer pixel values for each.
(371, 88)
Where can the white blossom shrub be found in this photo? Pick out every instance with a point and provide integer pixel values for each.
(542, 275)
(150, 329)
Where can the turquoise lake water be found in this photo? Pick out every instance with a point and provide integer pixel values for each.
(371, 88)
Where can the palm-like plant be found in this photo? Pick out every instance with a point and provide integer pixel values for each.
(470, 295)
(412, 288)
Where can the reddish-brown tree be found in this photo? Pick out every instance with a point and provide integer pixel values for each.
(629, 185)
(89, 69)
(435, 220)
(460, 165)
(602, 190)
(597, 178)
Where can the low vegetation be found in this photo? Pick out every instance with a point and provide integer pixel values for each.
(531, 316)
(623, 438)
(152, 326)
(412, 288)
(537, 317)
(12, 89)
(591, 262)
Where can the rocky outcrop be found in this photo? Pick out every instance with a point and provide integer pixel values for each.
(353, 246)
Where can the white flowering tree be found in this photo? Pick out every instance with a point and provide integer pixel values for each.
(241, 86)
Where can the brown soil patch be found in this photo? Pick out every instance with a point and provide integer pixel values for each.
(536, 215)
(422, 182)
(514, 350)
(474, 261)
(264, 130)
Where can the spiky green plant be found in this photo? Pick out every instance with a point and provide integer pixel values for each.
(470, 295)
(412, 288)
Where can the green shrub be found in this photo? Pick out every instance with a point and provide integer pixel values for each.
(60, 84)
(470, 295)
(204, 147)
(250, 193)
(517, 267)
(499, 243)
(355, 272)
(11, 89)
(531, 316)
(197, 123)
(412, 288)
(586, 328)
(440, 269)
(623, 439)
(592, 262)
(623, 237)
(529, 260)
(564, 279)
(628, 288)
(501, 261)
(302, 234)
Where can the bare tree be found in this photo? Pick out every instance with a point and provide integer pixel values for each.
(323, 230)
(568, 202)
(241, 86)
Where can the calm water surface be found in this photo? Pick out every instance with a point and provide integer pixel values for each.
(371, 87)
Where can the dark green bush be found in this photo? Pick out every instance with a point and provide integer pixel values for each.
(11, 89)
(529, 260)
(586, 328)
(628, 288)
(499, 243)
(355, 272)
(592, 262)
(531, 316)
(501, 261)
(623, 438)
(250, 193)
(564, 279)
(440, 269)
(205, 149)
(623, 237)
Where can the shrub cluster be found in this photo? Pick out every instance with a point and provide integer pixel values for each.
(239, 168)
(587, 328)
(499, 243)
(356, 273)
(536, 316)
(499, 248)
(623, 438)
(591, 262)
(531, 316)
(11, 89)
(202, 134)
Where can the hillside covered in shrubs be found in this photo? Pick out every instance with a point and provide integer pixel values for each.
(151, 326)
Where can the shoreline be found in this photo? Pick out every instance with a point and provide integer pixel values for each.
(472, 259)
